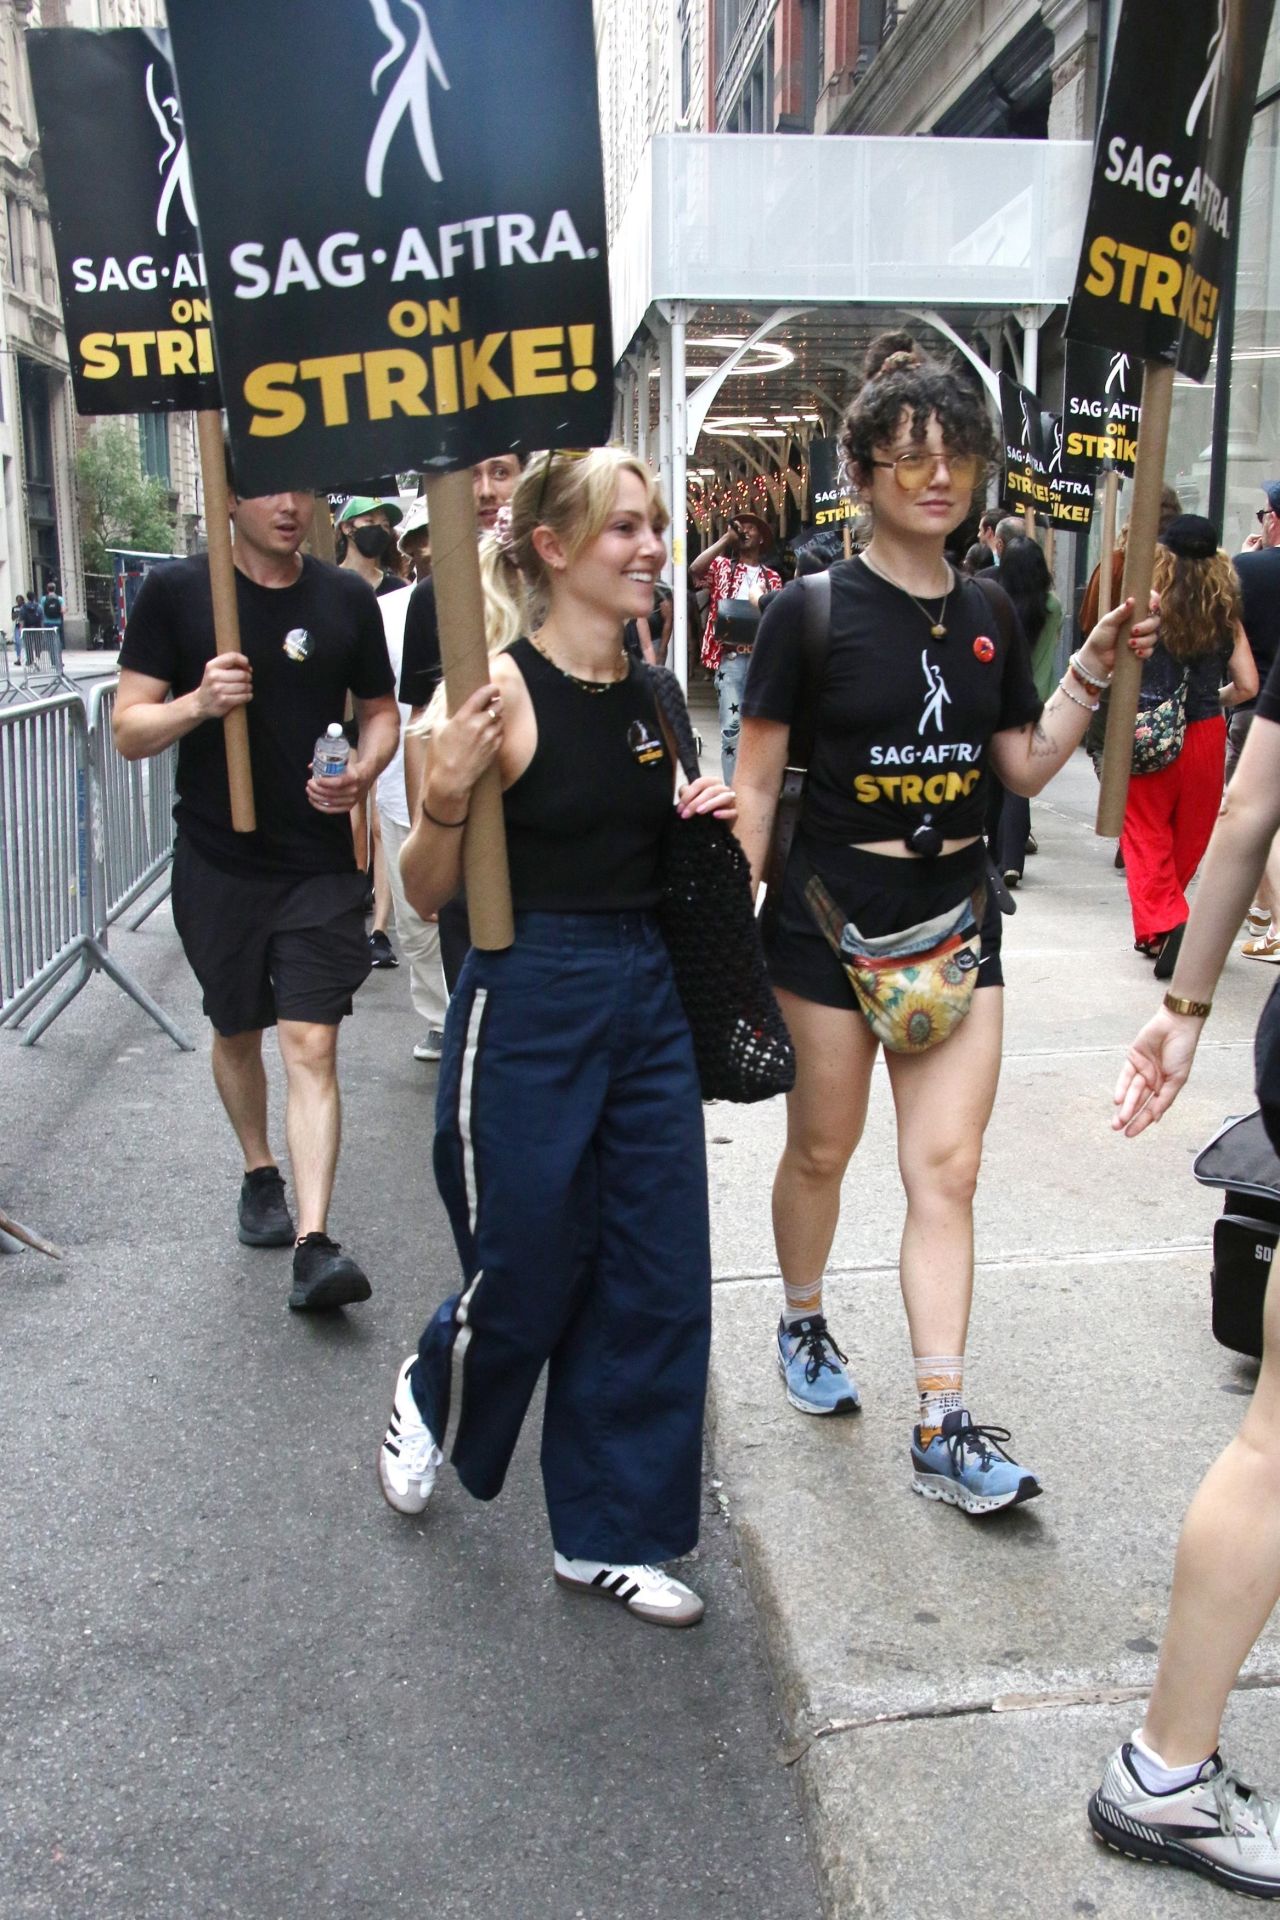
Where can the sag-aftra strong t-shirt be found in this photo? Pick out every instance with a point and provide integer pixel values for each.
(904, 720)
(307, 644)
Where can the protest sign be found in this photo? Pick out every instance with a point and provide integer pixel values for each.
(1033, 476)
(1100, 410)
(831, 496)
(391, 290)
(131, 272)
(123, 219)
(1166, 182)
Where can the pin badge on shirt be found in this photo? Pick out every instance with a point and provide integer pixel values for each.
(984, 649)
(646, 749)
(297, 643)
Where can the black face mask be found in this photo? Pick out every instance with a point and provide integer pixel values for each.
(372, 542)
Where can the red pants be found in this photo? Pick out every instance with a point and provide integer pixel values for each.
(1168, 819)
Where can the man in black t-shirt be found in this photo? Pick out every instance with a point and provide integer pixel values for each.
(272, 921)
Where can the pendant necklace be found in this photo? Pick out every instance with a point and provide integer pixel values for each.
(937, 628)
(588, 686)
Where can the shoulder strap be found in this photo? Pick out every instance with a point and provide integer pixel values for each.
(815, 639)
(994, 594)
(674, 715)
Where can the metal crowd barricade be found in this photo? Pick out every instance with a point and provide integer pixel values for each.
(42, 674)
(53, 884)
(135, 813)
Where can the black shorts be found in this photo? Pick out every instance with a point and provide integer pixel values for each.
(881, 895)
(268, 947)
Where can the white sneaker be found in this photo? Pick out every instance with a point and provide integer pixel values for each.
(408, 1458)
(647, 1592)
(432, 1047)
(1217, 1826)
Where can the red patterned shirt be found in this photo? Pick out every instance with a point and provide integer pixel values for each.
(723, 578)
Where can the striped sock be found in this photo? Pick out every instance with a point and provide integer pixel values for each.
(940, 1385)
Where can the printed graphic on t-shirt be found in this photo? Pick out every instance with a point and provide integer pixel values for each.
(938, 697)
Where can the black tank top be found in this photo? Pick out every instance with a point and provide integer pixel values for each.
(586, 818)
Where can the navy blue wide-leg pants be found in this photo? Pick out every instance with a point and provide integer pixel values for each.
(570, 1154)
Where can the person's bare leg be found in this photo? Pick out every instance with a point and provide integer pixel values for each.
(1226, 1577)
(944, 1100)
(826, 1112)
(241, 1080)
(313, 1117)
(381, 884)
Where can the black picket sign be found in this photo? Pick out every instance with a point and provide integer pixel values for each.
(1033, 462)
(1101, 405)
(404, 230)
(831, 496)
(1168, 162)
(124, 226)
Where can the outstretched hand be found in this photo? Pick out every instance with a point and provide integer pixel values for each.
(1155, 1070)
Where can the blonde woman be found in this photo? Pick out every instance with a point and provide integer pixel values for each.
(569, 1140)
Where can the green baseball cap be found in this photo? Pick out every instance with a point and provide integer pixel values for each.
(361, 503)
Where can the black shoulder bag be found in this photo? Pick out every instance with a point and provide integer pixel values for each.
(740, 1040)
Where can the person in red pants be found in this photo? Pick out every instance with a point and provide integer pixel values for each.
(1202, 649)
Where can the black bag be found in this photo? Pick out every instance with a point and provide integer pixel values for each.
(1241, 1160)
(737, 623)
(740, 1040)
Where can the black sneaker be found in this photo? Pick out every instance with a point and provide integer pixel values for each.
(381, 952)
(264, 1212)
(325, 1276)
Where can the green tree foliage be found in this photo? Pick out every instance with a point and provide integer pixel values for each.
(120, 506)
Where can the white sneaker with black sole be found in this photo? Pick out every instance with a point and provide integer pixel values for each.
(647, 1592)
(408, 1459)
(1217, 1827)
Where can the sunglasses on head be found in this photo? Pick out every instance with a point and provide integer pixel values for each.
(556, 453)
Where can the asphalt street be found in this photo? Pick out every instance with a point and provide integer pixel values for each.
(234, 1682)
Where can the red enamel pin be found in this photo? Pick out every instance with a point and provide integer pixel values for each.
(984, 648)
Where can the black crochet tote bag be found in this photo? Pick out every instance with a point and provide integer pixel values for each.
(740, 1040)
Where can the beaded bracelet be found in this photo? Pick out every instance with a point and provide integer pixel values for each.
(1088, 706)
(1087, 679)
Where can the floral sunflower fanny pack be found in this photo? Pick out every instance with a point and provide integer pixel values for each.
(914, 986)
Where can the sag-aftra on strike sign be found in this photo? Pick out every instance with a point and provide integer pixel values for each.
(1166, 178)
(403, 219)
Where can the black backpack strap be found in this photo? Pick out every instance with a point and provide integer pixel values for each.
(995, 596)
(815, 637)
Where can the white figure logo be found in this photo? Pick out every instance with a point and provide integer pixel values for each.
(1119, 373)
(1026, 421)
(1217, 51)
(175, 164)
(1055, 464)
(410, 94)
(938, 697)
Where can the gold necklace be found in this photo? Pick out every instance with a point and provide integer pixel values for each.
(588, 686)
(936, 625)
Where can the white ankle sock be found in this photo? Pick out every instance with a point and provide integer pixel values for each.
(1155, 1775)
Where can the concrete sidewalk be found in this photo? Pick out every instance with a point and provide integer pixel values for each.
(947, 1684)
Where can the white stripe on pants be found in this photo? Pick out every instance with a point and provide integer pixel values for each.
(419, 939)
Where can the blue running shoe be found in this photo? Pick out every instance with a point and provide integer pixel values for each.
(812, 1366)
(968, 1467)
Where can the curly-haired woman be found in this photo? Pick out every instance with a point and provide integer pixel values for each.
(925, 685)
(1169, 814)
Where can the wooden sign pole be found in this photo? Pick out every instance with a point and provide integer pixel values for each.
(1107, 564)
(1029, 522)
(1139, 565)
(226, 618)
(455, 569)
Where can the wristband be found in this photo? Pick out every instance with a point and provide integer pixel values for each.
(450, 824)
(1197, 1009)
(1090, 706)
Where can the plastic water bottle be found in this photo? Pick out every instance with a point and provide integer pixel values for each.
(332, 753)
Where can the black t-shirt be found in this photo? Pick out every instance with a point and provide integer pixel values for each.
(420, 668)
(308, 644)
(904, 720)
(1259, 576)
(1268, 701)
